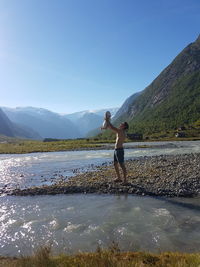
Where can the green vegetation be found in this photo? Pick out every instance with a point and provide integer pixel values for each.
(170, 101)
(182, 107)
(191, 132)
(17, 146)
(111, 257)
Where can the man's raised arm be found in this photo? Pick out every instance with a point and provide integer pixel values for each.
(112, 127)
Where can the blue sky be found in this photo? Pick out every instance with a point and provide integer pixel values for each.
(73, 55)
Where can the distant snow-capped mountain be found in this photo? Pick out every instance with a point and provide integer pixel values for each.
(100, 112)
(45, 122)
(88, 120)
(54, 125)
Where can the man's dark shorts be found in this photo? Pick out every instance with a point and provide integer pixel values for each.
(119, 155)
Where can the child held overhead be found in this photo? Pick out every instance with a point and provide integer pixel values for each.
(107, 118)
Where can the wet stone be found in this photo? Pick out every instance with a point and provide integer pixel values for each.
(165, 175)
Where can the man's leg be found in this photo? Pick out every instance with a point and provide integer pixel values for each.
(116, 165)
(122, 165)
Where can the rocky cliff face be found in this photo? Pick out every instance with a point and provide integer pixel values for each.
(125, 107)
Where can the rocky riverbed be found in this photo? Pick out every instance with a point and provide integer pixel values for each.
(177, 175)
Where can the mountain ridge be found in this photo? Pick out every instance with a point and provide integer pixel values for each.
(173, 97)
(46, 123)
(5, 125)
(89, 120)
(50, 124)
(11, 129)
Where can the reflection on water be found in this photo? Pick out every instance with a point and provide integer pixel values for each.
(81, 222)
(46, 168)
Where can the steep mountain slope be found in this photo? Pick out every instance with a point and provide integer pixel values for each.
(45, 122)
(125, 107)
(11, 129)
(172, 99)
(6, 127)
(25, 132)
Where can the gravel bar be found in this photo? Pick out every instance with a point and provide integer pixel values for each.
(165, 175)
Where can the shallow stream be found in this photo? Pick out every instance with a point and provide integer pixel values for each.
(82, 222)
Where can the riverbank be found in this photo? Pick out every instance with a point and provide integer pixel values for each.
(166, 175)
(18, 146)
(111, 257)
(27, 146)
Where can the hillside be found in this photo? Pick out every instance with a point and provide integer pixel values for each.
(45, 122)
(6, 127)
(11, 129)
(171, 100)
(54, 125)
(125, 107)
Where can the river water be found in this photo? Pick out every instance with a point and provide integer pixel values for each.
(82, 222)
(46, 168)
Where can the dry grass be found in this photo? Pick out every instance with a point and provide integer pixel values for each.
(25, 146)
(111, 257)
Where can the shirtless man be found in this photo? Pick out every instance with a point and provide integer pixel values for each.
(119, 150)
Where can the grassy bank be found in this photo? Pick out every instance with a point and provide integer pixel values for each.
(111, 257)
(17, 146)
(26, 146)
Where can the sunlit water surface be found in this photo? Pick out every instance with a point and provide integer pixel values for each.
(46, 168)
(82, 222)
